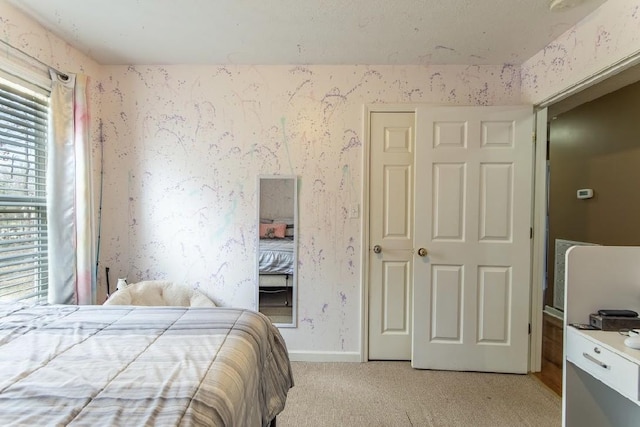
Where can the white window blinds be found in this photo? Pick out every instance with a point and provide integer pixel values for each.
(23, 216)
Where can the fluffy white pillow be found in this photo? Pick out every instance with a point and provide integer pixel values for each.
(159, 293)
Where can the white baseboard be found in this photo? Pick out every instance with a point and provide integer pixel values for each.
(324, 356)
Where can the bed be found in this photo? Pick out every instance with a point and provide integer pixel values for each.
(125, 365)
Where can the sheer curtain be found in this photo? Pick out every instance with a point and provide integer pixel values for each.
(71, 233)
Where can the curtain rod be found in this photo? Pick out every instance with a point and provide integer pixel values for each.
(64, 76)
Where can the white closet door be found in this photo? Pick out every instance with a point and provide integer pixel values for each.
(473, 215)
(391, 229)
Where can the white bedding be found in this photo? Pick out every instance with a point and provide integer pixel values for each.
(276, 256)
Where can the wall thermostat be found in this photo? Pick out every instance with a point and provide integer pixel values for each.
(585, 193)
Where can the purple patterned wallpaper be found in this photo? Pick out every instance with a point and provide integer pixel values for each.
(183, 146)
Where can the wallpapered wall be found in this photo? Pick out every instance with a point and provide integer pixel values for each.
(183, 146)
(187, 143)
(610, 34)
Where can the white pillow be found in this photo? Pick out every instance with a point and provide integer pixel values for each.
(159, 293)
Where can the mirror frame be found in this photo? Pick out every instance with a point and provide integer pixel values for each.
(294, 285)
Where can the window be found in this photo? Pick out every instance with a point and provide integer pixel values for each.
(23, 204)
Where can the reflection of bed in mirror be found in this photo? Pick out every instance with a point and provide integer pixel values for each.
(276, 258)
(276, 248)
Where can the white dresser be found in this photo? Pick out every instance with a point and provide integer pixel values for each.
(601, 377)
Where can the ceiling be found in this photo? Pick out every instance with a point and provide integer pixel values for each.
(332, 32)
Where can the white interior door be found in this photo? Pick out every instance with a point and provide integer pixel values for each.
(392, 141)
(472, 213)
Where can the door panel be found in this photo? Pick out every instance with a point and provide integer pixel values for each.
(471, 296)
(391, 227)
(450, 134)
(395, 287)
(397, 203)
(448, 191)
(494, 288)
(446, 303)
(496, 203)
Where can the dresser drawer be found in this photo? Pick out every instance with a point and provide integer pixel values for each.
(610, 368)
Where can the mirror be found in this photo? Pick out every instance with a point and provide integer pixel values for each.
(277, 248)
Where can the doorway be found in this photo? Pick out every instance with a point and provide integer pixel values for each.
(593, 144)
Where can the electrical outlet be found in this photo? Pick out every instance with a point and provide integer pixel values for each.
(354, 210)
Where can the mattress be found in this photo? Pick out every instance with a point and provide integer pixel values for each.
(276, 256)
(123, 365)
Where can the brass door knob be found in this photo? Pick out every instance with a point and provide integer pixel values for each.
(422, 252)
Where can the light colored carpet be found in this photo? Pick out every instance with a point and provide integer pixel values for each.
(393, 394)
